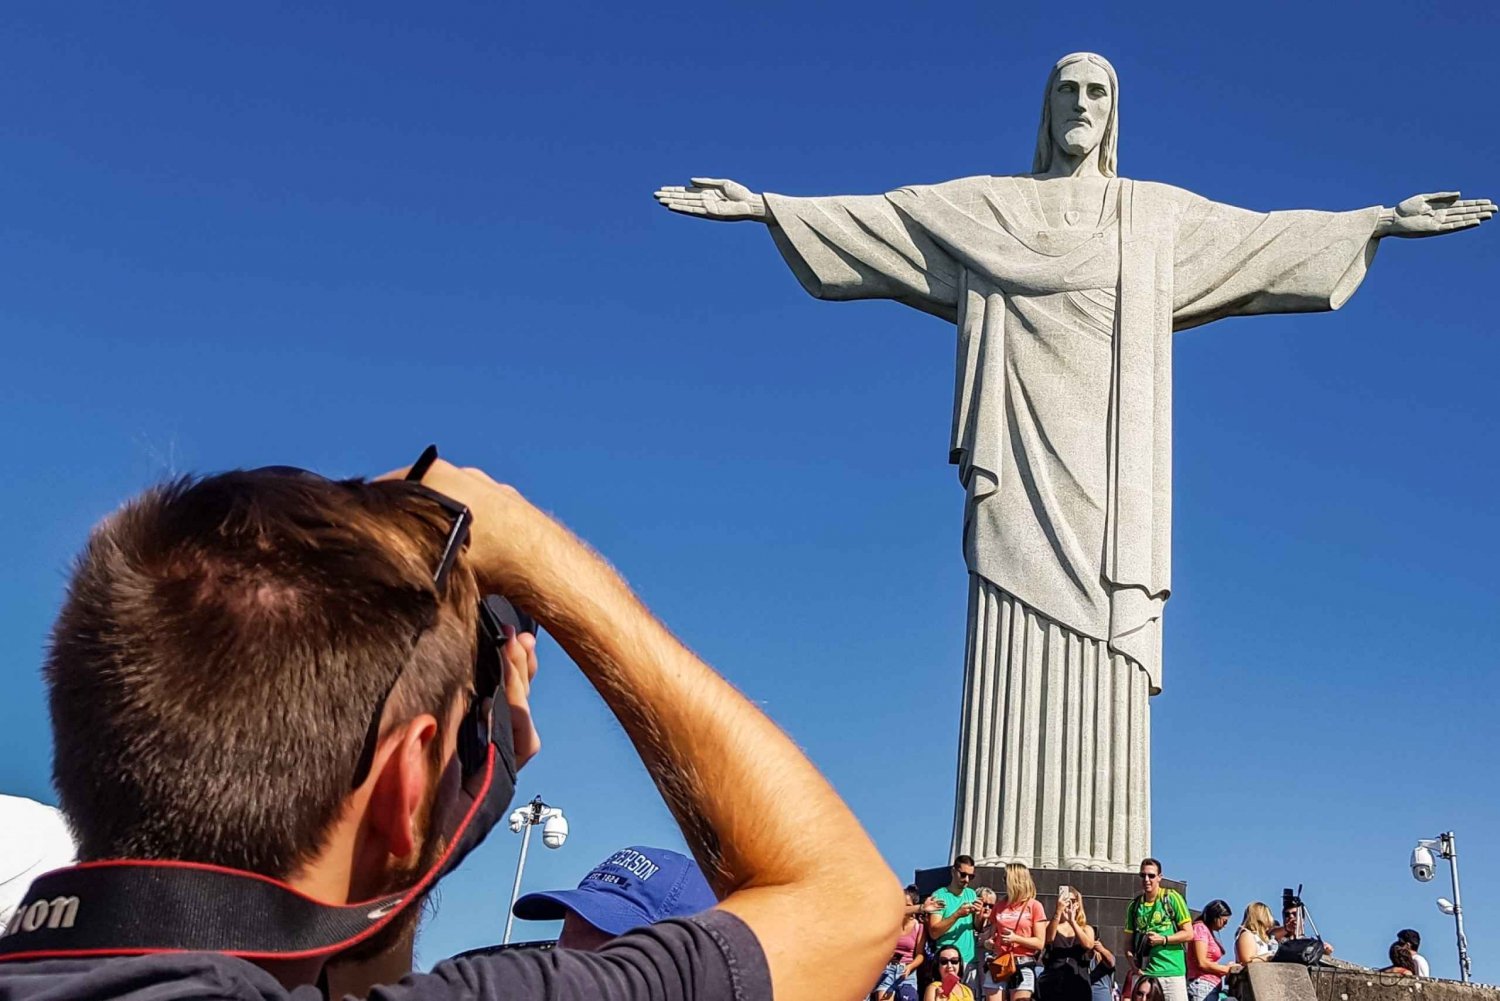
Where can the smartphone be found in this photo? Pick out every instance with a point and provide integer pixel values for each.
(1064, 894)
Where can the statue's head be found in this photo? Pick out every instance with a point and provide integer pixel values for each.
(1080, 112)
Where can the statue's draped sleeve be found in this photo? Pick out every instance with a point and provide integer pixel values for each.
(1230, 261)
(862, 247)
(1186, 261)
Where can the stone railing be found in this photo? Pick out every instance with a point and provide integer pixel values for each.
(1290, 982)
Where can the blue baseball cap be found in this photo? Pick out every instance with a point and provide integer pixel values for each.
(633, 887)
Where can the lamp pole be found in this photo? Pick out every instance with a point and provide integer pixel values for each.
(554, 834)
(532, 811)
(1449, 850)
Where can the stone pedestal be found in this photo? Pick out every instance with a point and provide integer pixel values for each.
(1105, 896)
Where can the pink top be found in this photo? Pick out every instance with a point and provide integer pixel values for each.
(1212, 949)
(1020, 919)
(906, 944)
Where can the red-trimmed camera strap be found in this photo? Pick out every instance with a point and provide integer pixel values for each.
(121, 908)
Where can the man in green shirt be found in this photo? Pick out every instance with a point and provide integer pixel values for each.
(951, 918)
(1159, 926)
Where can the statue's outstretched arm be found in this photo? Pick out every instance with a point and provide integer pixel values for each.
(1434, 214)
(715, 198)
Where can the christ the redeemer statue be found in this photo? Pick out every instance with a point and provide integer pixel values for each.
(1066, 285)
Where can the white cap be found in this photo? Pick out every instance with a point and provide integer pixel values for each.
(34, 839)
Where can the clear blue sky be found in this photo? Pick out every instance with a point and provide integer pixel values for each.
(328, 234)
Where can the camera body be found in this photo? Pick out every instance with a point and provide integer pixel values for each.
(1421, 864)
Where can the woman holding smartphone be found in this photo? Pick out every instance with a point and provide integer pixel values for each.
(949, 985)
(1205, 969)
(1069, 949)
(1018, 930)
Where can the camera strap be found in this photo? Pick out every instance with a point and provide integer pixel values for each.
(133, 907)
(129, 907)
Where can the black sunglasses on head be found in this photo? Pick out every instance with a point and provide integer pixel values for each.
(495, 613)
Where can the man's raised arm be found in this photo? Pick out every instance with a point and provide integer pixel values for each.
(782, 850)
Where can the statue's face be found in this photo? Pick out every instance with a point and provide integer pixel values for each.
(1081, 100)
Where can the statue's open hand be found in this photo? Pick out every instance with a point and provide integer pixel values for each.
(1440, 212)
(714, 198)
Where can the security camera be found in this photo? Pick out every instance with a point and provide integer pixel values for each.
(555, 830)
(1421, 864)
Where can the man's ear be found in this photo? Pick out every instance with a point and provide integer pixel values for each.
(402, 786)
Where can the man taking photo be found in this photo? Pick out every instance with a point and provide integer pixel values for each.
(954, 922)
(272, 679)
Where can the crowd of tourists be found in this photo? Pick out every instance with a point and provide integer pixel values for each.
(965, 942)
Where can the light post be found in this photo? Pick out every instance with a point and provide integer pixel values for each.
(1422, 871)
(554, 833)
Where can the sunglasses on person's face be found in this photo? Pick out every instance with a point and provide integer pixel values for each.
(964, 875)
(1148, 876)
(950, 962)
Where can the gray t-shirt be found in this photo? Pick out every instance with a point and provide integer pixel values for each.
(710, 956)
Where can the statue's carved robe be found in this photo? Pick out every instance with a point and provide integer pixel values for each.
(1062, 435)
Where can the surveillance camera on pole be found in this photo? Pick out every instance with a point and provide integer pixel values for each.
(555, 829)
(554, 833)
(1422, 865)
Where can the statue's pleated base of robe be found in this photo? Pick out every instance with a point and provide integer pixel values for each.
(1062, 436)
(1055, 749)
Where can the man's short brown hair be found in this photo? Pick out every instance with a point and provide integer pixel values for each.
(220, 653)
